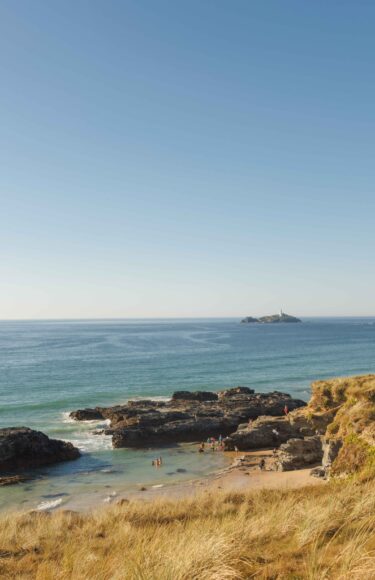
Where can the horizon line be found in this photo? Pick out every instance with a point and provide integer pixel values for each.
(103, 318)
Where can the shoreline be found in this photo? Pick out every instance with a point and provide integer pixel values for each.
(239, 476)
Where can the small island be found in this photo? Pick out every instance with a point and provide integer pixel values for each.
(271, 319)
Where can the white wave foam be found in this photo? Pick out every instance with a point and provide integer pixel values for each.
(83, 436)
(66, 418)
(155, 398)
(89, 442)
(49, 505)
(100, 423)
(104, 424)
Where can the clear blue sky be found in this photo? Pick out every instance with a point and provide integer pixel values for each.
(186, 158)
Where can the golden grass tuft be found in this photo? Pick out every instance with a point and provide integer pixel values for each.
(314, 533)
(333, 393)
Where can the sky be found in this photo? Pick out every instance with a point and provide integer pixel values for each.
(186, 158)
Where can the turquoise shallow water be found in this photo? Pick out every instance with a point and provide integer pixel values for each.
(50, 368)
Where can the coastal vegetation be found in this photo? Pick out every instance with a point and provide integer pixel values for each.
(346, 408)
(315, 532)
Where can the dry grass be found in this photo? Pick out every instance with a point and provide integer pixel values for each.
(313, 533)
(332, 393)
(345, 409)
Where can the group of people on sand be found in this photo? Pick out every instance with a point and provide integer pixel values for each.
(157, 462)
(212, 444)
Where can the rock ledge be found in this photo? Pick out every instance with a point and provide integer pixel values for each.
(23, 448)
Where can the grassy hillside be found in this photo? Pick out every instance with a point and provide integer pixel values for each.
(344, 409)
(316, 533)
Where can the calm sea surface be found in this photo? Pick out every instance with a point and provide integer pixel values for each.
(50, 368)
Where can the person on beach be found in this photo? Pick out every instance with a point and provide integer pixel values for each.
(160, 460)
(286, 410)
(201, 448)
(236, 449)
(262, 464)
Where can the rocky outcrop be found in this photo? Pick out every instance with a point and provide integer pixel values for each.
(298, 454)
(188, 416)
(331, 448)
(263, 433)
(87, 415)
(227, 393)
(194, 396)
(22, 448)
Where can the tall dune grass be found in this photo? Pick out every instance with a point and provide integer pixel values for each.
(314, 533)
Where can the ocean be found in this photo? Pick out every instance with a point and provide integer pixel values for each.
(49, 368)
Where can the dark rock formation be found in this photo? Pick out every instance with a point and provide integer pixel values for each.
(22, 448)
(298, 454)
(263, 433)
(87, 415)
(235, 391)
(196, 396)
(249, 319)
(185, 418)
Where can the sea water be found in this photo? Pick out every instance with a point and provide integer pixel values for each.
(49, 368)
